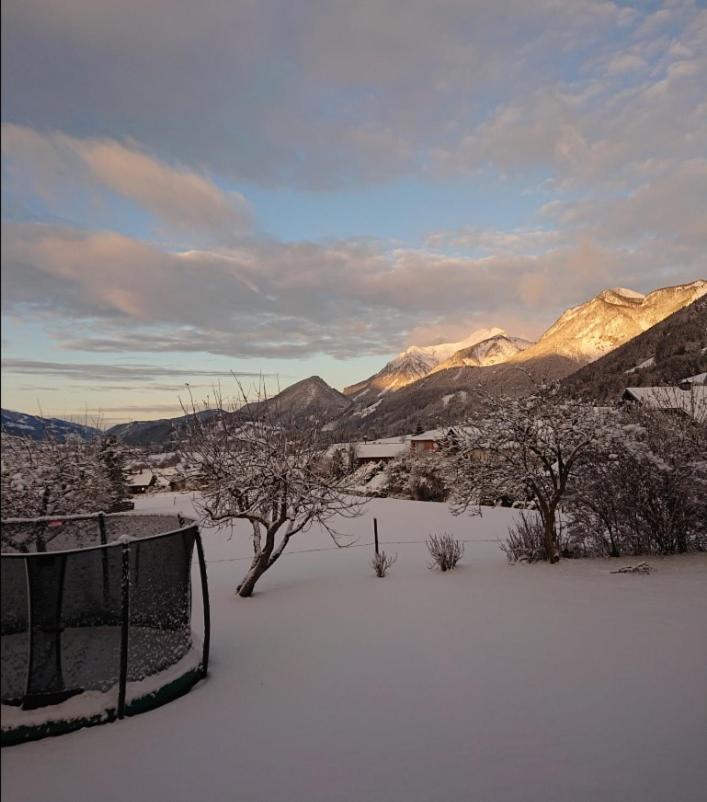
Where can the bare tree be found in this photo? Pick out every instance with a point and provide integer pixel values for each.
(645, 489)
(41, 478)
(257, 465)
(522, 450)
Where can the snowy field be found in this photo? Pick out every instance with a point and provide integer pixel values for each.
(491, 683)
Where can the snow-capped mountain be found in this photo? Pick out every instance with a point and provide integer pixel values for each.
(671, 352)
(414, 363)
(581, 335)
(592, 329)
(494, 350)
(35, 427)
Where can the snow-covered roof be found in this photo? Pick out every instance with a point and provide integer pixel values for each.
(141, 479)
(691, 401)
(379, 450)
(432, 434)
(701, 378)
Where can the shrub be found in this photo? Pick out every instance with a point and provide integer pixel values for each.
(418, 477)
(381, 562)
(526, 541)
(445, 550)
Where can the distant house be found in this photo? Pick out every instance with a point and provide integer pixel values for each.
(376, 451)
(431, 440)
(140, 482)
(689, 399)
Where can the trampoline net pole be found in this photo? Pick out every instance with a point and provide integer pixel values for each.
(125, 623)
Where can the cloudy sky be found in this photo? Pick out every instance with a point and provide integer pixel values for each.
(289, 188)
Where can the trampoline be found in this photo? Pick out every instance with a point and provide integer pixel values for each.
(97, 619)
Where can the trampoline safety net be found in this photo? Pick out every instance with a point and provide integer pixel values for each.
(92, 603)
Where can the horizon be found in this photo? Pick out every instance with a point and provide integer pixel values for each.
(244, 189)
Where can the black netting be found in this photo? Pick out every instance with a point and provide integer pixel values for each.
(63, 611)
(160, 609)
(14, 641)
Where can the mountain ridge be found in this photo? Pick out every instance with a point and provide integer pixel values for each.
(36, 427)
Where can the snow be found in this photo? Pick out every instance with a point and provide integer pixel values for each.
(98, 703)
(627, 293)
(493, 682)
(364, 413)
(647, 363)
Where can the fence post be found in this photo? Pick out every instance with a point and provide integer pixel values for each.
(375, 533)
(125, 623)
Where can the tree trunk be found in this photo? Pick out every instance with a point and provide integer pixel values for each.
(551, 551)
(260, 564)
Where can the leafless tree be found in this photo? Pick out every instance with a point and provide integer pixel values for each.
(523, 450)
(256, 464)
(41, 478)
(645, 489)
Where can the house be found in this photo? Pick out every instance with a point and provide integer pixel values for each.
(140, 482)
(689, 399)
(431, 440)
(378, 451)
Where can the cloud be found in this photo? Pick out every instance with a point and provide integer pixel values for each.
(269, 299)
(328, 94)
(599, 102)
(85, 371)
(175, 194)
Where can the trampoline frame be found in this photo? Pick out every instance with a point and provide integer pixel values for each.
(125, 545)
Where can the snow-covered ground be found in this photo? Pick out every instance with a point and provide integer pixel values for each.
(491, 683)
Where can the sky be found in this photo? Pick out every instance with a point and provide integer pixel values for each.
(268, 190)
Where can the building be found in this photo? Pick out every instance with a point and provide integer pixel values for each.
(140, 482)
(377, 451)
(689, 399)
(431, 440)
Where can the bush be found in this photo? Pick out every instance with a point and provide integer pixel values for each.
(417, 477)
(526, 541)
(446, 551)
(645, 491)
(381, 562)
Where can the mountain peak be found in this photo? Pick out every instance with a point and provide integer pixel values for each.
(622, 293)
(416, 362)
(594, 328)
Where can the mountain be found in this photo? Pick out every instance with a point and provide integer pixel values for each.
(669, 352)
(35, 427)
(452, 389)
(307, 400)
(444, 397)
(413, 364)
(492, 351)
(153, 432)
(590, 330)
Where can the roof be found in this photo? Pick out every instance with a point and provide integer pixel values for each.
(140, 479)
(432, 434)
(692, 401)
(379, 450)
